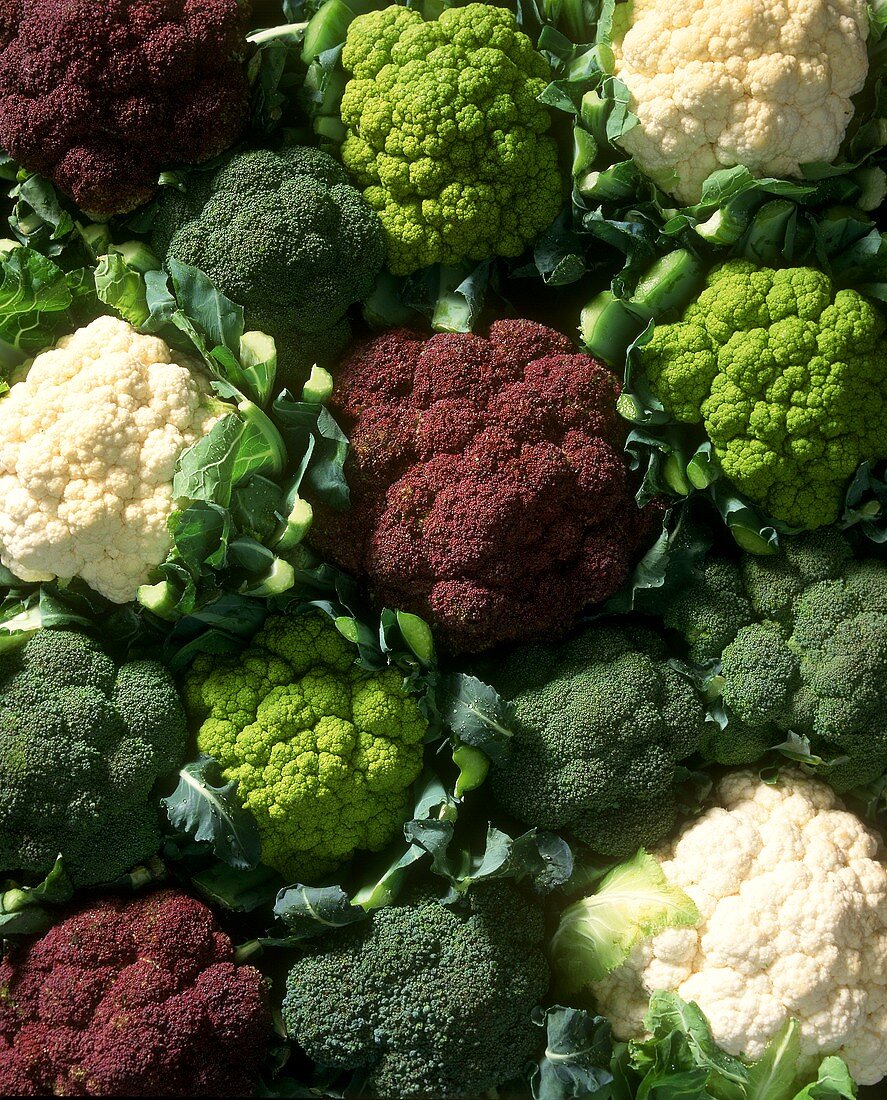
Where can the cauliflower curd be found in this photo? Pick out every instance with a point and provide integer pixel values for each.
(792, 897)
(715, 83)
(88, 447)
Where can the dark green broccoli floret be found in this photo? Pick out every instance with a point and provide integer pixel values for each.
(600, 723)
(286, 236)
(83, 742)
(807, 653)
(429, 1000)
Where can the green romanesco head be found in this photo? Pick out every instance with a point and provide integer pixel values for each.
(445, 134)
(787, 376)
(807, 652)
(599, 724)
(285, 235)
(324, 753)
(83, 742)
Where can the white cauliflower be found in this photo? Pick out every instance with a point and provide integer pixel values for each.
(88, 447)
(791, 891)
(763, 83)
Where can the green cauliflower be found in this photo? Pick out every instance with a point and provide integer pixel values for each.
(428, 1000)
(786, 375)
(324, 752)
(445, 134)
(798, 644)
(286, 236)
(600, 723)
(83, 743)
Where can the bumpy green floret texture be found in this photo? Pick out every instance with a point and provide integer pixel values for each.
(445, 134)
(429, 1000)
(83, 742)
(286, 236)
(798, 643)
(787, 377)
(323, 752)
(600, 724)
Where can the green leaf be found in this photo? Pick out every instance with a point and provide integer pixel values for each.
(774, 1075)
(833, 1082)
(218, 318)
(205, 471)
(668, 1015)
(476, 714)
(23, 909)
(596, 934)
(207, 809)
(577, 1055)
(258, 360)
(309, 911)
(34, 299)
(122, 288)
(241, 890)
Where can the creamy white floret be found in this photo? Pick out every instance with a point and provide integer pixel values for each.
(88, 446)
(792, 895)
(715, 83)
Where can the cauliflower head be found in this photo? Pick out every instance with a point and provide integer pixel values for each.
(800, 644)
(786, 374)
(791, 891)
(768, 85)
(599, 724)
(88, 446)
(324, 753)
(445, 134)
(489, 489)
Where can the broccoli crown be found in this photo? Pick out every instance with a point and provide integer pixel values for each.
(83, 741)
(786, 375)
(429, 1000)
(324, 752)
(131, 997)
(100, 97)
(599, 725)
(807, 652)
(489, 490)
(446, 135)
(284, 235)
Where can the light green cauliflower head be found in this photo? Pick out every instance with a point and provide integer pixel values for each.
(445, 134)
(323, 751)
(789, 379)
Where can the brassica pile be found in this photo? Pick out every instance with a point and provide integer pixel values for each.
(443, 586)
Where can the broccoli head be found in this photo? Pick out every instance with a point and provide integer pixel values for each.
(599, 724)
(83, 742)
(489, 489)
(100, 97)
(786, 375)
(324, 753)
(806, 652)
(132, 997)
(428, 1000)
(284, 235)
(446, 134)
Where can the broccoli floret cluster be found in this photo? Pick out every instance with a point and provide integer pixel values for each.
(100, 97)
(137, 997)
(786, 375)
(799, 642)
(324, 753)
(446, 135)
(83, 742)
(489, 489)
(284, 235)
(428, 1000)
(599, 725)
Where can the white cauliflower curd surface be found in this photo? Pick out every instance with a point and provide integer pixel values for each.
(716, 83)
(792, 896)
(88, 447)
